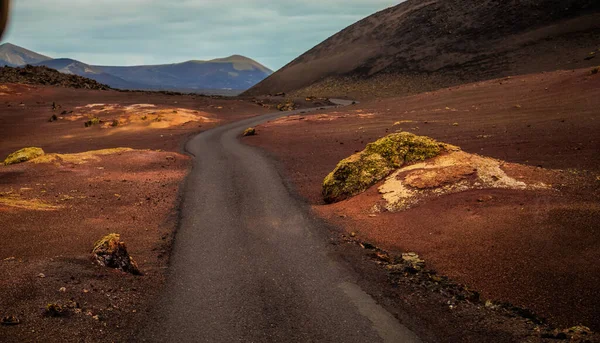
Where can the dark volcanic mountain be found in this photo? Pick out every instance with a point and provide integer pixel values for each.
(423, 45)
(231, 73)
(41, 75)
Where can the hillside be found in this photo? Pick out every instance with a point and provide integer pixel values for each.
(426, 45)
(12, 55)
(235, 72)
(40, 75)
(231, 73)
(70, 66)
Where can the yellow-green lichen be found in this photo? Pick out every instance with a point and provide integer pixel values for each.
(79, 158)
(23, 155)
(249, 132)
(14, 200)
(355, 174)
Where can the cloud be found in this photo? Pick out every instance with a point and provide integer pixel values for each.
(125, 32)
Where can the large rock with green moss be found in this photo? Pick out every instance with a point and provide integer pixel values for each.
(23, 155)
(360, 171)
(111, 252)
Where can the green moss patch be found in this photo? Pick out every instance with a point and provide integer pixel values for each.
(23, 155)
(360, 171)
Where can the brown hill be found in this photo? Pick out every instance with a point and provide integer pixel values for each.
(46, 76)
(426, 45)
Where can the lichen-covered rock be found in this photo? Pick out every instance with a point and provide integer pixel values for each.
(23, 155)
(360, 171)
(249, 132)
(112, 253)
(286, 106)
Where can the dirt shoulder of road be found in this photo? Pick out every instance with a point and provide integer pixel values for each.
(530, 248)
(54, 208)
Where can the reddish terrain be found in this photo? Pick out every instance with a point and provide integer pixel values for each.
(533, 248)
(52, 213)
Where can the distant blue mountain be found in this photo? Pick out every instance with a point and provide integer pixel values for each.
(231, 73)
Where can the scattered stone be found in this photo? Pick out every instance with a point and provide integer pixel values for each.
(412, 261)
(62, 289)
(23, 155)
(54, 310)
(53, 118)
(286, 106)
(10, 320)
(454, 124)
(368, 246)
(92, 122)
(249, 132)
(41, 275)
(595, 71)
(112, 253)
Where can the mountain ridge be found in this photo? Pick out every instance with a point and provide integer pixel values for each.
(235, 72)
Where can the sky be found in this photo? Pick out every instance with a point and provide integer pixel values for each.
(136, 32)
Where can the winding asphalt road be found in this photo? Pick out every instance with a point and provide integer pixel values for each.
(250, 265)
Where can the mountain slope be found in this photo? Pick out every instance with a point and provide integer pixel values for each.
(70, 66)
(235, 72)
(12, 55)
(42, 75)
(231, 73)
(424, 45)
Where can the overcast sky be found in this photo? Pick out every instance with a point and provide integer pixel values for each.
(130, 32)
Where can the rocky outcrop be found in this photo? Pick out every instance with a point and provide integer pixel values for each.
(360, 171)
(111, 252)
(23, 155)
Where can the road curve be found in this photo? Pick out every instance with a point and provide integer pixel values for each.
(250, 265)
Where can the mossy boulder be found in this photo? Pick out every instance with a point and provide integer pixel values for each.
(287, 106)
(379, 159)
(249, 132)
(111, 252)
(23, 155)
(92, 122)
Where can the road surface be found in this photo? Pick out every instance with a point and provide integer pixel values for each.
(250, 265)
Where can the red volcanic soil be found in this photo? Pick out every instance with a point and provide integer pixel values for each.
(25, 111)
(132, 193)
(533, 248)
(52, 213)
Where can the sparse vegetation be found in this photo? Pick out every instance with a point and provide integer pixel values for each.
(79, 158)
(54, 310)
(53, 118)
(93, 121)
(114, 123)
(23, 155)
(358, 172)
(249, 132)
(287, 106)
(14, 200)
(595, 70)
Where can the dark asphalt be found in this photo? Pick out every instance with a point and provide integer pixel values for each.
(250, 265)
